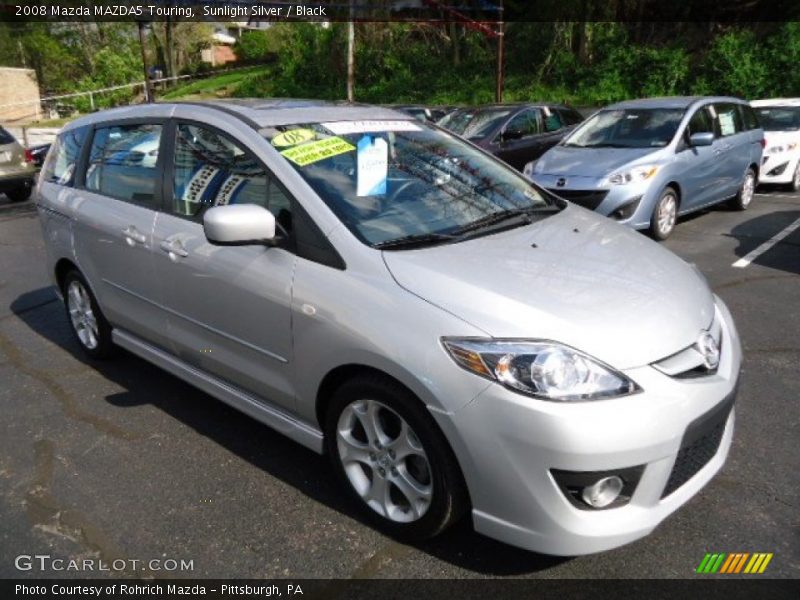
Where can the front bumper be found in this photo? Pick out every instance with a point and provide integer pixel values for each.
(594, 193)
(509, 445)
(778, 168)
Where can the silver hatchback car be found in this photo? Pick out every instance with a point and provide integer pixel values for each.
(457, 339)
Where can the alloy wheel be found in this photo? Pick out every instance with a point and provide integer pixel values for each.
(384, 461)
(81, 315)
(748, 189)
(667, 214)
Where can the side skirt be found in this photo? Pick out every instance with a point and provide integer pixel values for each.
(300, 432)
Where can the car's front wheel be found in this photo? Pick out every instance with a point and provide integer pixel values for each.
(87, 321)
(665, 214)
(393, 459)
(795, 184)
(745, 194)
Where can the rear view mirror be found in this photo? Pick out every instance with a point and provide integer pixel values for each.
(704, 138)
(239, 224)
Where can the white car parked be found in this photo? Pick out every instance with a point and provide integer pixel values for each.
(780, 119)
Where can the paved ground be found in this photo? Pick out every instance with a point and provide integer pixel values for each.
(121, 460)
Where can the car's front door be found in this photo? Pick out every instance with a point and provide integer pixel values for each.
(519, 141)
(701, 171)
(229, 307)
(115, 203)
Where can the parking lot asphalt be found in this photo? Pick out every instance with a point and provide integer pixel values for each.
(119, 459)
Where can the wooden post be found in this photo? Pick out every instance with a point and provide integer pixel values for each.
(498, 93)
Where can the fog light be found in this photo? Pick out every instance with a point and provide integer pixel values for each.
(603, 492)
(626, 210)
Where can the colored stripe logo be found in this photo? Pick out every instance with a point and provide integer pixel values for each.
(735, 562)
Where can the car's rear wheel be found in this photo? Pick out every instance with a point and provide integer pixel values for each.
(665, 214)
(390, 455)
(90, 327)
(745, 194)
(19, 194)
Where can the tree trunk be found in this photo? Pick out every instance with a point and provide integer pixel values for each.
(454, 41)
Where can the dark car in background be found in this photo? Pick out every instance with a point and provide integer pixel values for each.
(429, 114)
(515, 133)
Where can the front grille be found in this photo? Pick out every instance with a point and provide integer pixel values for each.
(590, 199)
(699, 445)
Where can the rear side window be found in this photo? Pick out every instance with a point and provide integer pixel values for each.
(63, 157)
(123, 162)
(749, 117)
(211, 170)
(729, 120)
(700, 122)
(552, 122)
(5, 137)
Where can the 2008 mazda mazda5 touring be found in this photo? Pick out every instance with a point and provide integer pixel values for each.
(455, 338)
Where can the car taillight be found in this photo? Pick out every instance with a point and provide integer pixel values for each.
(763, 142)
(28, 156)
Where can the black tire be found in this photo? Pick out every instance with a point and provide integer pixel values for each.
(661, 227)
(19, 194)
(794, 186)
(104, 347)
(449, 499)
(744, 197)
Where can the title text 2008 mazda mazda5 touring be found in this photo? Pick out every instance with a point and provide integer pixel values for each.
(375, 288)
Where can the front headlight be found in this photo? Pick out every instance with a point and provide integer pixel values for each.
(634, 175)
(543, 369)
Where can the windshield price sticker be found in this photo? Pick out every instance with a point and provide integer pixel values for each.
(293, 137)
(373, 166)
(311, 152)
(347, 127)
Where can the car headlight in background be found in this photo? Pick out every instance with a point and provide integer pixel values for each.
(529, 168)
(634, 175)
(542, 369)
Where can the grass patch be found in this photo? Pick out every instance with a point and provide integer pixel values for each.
(219, 86)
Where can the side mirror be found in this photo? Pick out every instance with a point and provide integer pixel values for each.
(705, 138)
(239, 224)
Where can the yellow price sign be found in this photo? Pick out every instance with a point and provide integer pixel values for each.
(292, 137)
(312, 152)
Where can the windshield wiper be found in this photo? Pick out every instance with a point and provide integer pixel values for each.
(523, 214)
(607, 145)
(415, 240)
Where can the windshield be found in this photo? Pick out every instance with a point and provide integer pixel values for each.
(388, 180)
(779, 118)
(630, 128)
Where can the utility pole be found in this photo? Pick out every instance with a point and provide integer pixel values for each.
(498, 93)
(148, 90)
(351, 59)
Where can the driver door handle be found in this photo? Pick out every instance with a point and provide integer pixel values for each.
(133, 236)
(174, 247)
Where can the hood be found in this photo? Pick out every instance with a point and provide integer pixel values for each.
(587, 162)
(576, 278)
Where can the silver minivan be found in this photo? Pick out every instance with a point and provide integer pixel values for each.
(646, 162)
(456, 339)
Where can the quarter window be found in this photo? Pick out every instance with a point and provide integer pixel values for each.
(748, 117)
(570, 117)
(63, 157)
(123, 162)
(211, 170)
